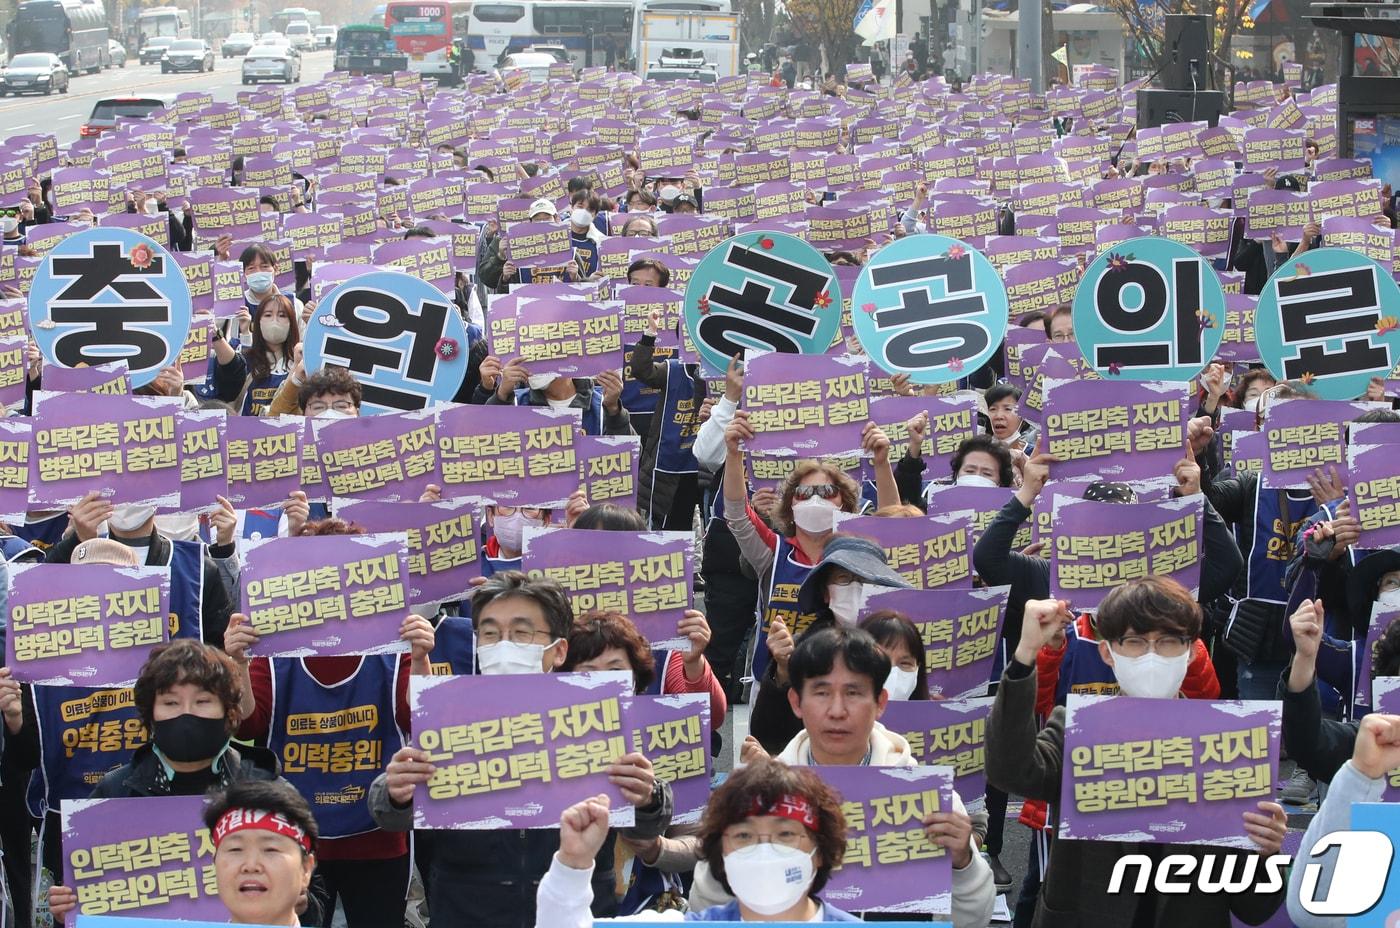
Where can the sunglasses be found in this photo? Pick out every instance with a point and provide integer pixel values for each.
(824, 490)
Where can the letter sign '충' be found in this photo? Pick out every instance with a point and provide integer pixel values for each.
(1149, 309)
(764, 291)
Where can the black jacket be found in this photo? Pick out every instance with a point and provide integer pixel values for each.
(654, 496)
(145, 774)
(1319, 745)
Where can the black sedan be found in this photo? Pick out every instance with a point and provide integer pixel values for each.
(34, 72)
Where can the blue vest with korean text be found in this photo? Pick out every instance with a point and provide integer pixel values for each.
(454, 651)
(334, 740)
(679, 423)
(788, 575)
(1274, 531)
(84, 733)
(258, 399)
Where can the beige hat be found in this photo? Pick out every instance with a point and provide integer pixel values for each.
(104, 551)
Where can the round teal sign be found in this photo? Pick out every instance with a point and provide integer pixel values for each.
(1328, 317)
(1149, 309)
(931, 307)
(762, 291)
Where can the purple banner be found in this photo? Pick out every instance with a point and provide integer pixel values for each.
(1129, 430)
(390, 457)
(1304, 435)
(1375, 493)
(340, 594)
(1387, 699)
(16, 439)
(84, 624)
(226, 211)
(264, 459)
(890, 864)
(928, 551)
(567, 338)
(960, 629)
(608, 467)
(443, 538)
(515, 455)
(951, 421)
(515, 751)
(809, 404)
(1381, 619)
(536, 244)
(203, 476)
(673, 732)
(1134, 772)
(124, 447)
(646, 576)
(148, 857)
(1097, 546)
(947, 733)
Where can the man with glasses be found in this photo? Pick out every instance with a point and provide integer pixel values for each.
(1059, 324)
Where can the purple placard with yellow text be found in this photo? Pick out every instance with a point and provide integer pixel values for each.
(443, 538)
(812, 405)
(124, 447)
(391, 456)
(514, 455)
(1097, 546)
(960, 629)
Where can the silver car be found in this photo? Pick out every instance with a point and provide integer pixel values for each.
(271, 63)
(188, 55)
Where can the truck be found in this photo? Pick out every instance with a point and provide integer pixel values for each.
(74, 30)
(361, 48)
(699, 35)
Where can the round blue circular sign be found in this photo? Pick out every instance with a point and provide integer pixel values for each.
(1331, 319)
(1149, 309)
(399, 337)
(110, 294)
(931, 307)
(765, 291)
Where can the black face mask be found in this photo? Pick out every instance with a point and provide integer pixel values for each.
(188, 738)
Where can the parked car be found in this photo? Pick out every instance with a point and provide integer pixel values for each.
(155, 48)
(117, 52)
(271, 63)
(534, 64)
(237, 44)
(325, 36)
(108, 110)
(300, 34)
(188, 55)
(34, 72)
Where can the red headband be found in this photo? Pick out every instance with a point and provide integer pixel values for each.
(236, 820)
(788, 806)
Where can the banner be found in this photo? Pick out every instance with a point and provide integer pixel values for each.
(960, 628)
(608, 468)
(1182, 777)
(645, 576)
(1127, 431)
(947, 733)
(264, 459)
(123, 447)
(332, 594)
(1375, 493)
(149, 856)
(443, 541)
(391, 457)
(813, 406)
(515, 751)
(16, 442)
(567, 338)
(673, 732)
(1303, 435)
(513, 455)
(928, 551)
(203, 476)
(1097, 546)
(84, 624)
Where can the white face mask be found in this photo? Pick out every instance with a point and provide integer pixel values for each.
(9, 225)
(975, 480)
(846, 601)
(510, 530)
(82, 223)
(815, 516)
(769, 878)
(128, 517)
(151, 208)
(900, 683)
(1389, 598)
(507, 657)
(260, 281)
(334, 414)
(182, 526)
(1151, 676)
(581, 218)
(274, 331)
(541, 381)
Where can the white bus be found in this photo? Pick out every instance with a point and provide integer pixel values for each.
(283, 18)
(164, 20)
(596, 32)
(689, 32)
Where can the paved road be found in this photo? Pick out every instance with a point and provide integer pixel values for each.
(62, 114)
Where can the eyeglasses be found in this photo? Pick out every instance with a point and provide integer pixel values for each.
(1062, 337)
(491, 635)
(807, 491)
(742, 836)
(1165, 646)
(1390, 584)
(315, 406)
(839, 577)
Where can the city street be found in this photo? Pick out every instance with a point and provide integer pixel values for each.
(62, 114)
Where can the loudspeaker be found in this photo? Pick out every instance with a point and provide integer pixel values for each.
(1156, 107)
(1187, 39)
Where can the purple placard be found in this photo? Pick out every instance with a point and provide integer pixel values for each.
(1386, 693)
(443, 538)
(390, 457)
(84, 624)
(890, 864)
(673, 732)
(1381, 619)
(951, 421)
(567, 338)
(1134, 772)
(203, 475)
(947, 733)
(333, 594)
(1281, 211)
(111, 861)
(960, 629)
(983, 503)
(263, 458)
(928, 551)
(123, 447)
(13, 370)
(226, 211)
(608, 466)
(1129, 430)
(1304, 435)
(515, 751)
(536, 244)
(516, 455)
(16, 437)
(1097, 546)
(646, 576)
(806, 404)
(1375, 493)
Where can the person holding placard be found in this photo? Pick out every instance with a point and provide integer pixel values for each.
(259, 370)
(668, 473)
(1146, 632)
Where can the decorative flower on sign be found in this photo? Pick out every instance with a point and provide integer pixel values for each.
(1386, 325)
(1117, 262)
(703, 305)
(765, 243)
(1206, 318)
(446, 348)
(957, 251)
(868, 308)
(955, 365)
(141, 256)
(822, 299)
(1114, 368)
(1308, 377)
(1301, 270)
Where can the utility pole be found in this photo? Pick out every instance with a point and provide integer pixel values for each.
(1030, 60)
